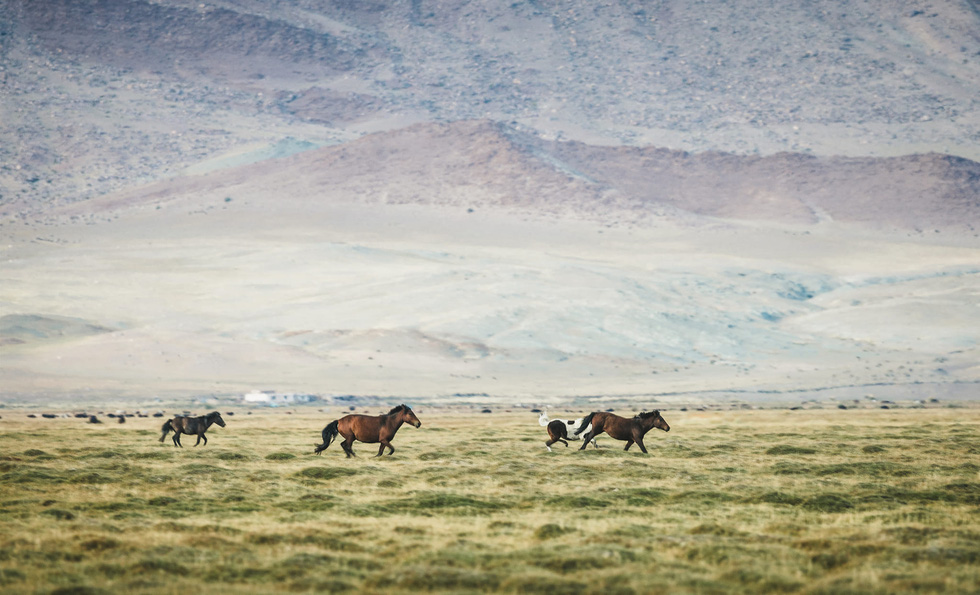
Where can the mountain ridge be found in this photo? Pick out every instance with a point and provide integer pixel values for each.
(485, 164)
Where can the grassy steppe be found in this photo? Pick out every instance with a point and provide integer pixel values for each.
(816, 501)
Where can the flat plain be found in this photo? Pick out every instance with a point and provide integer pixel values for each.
(796, 501)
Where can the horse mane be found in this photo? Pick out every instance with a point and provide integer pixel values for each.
(645, 414)
(398, 409)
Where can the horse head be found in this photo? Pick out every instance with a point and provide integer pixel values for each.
(215, 418)
(657, 420)
(660, 423)
(409, 416)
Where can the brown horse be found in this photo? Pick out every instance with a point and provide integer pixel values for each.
(191, 425)
(620, 428)
(368, 428)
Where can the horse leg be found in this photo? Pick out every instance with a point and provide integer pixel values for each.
(199, 436)
(348, 445)
(629, 443)
(381, 449)
(588, 438)
(594, 443)
(199, 439)
(386, 444)
(639, 442)
(550, 442)
(177, 439)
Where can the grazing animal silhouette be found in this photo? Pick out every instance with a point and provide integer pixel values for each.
(558, 429)
(621, 428)
(369, 429)
(182, 424)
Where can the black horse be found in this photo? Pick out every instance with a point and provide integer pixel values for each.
(191, 425)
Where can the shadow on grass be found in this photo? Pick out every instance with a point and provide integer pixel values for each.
(434, 503)
(326, 473)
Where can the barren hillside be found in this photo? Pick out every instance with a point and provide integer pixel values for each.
(443, 260)
(481, 164)
(100, 94)
(529, 202)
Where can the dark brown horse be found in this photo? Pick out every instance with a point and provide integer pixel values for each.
(621, 428)
(191, 425)
(368, 428)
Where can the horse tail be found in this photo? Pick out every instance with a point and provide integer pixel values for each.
(543, 420)
(585, 423)
(329, 433)
(166, 429)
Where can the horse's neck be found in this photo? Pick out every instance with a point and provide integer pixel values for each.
(207, 421)
(394, 422)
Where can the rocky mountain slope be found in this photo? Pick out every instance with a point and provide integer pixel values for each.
(99, 94)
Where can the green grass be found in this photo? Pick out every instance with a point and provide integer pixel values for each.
(740, 502)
